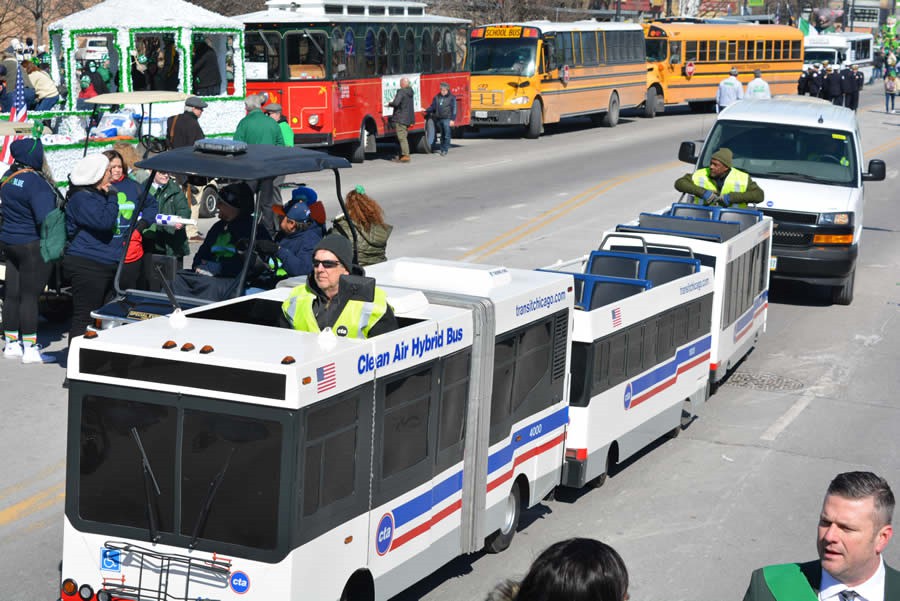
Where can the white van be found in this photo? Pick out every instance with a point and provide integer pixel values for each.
(806, 155)
(843, 49)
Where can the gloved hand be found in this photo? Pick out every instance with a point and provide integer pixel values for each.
(266, 247)
(710, 198)
(726, 200)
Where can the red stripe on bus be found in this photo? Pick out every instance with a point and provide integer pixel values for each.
(523, 458)
(681, 369)
(752, 321)
(426, 525)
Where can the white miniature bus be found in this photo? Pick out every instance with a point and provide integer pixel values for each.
(841, 49)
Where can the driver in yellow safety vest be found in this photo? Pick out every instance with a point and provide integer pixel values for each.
(721, 184)
(322, 302)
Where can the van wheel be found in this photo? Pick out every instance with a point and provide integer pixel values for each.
(843, 295)
(650, 104)
(611, 118)
(208, 199)
(536, 121)
(500, 540)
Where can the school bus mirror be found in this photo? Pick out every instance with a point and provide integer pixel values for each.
(876, 171)
(676, 59)
(687, 153)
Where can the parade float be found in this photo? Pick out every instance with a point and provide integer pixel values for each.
(148, 46)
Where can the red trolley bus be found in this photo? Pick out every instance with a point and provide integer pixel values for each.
(334, 65)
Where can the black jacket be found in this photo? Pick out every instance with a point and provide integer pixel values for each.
(206, 67)
(814, 84)
(834, 85)
(183, 130)
(848, 82)
(403, 107)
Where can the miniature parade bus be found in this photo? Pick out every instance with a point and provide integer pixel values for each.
(213, 454)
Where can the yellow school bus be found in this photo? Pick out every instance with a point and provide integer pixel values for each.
(539, 72)
(688, 60)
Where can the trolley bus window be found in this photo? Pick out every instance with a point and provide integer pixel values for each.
(409, 52)
(394, 54)
(427, 51)
(263, 58)
(495, 56)
(112, 486)
(247, 488)
(406, 409)
(305, 54)
(382, 53)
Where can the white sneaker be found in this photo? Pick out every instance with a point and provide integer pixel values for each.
(12, 350)
(33, 354)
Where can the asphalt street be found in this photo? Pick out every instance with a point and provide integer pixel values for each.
(740, 488)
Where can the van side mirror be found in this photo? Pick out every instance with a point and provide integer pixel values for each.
(875, 172)
(687, 153)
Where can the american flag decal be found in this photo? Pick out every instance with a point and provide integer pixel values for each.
(18, 112)
(617, 317)
(326, 378)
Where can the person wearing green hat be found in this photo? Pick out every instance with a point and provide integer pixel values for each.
(86, 91)
(721, 184)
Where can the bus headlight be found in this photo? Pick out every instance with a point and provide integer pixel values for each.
(834, 219)
(313, 120)
(520, 100)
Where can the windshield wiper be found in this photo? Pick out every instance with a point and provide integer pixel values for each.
(149, 480)
(793, 174)
(208, 500)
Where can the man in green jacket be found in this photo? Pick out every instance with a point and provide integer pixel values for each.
(274, 111)
(721, 184)
(257, 127)
(854, 529)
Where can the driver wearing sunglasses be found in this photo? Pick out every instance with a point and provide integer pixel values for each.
(322, 303)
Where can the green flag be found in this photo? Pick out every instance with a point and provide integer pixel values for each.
(803, 25)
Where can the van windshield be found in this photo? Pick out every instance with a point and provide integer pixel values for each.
(787, 152)
(820, 56)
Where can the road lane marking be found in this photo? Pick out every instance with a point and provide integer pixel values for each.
(44, 473)
(33, 504)
(550, 215)
(417, 232)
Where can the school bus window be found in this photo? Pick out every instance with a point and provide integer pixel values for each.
(613, 47)
(406, 407)
(577, 50)
(690, 51)
(742, 50)
(409, 52)
(589, 47)
(795, 50)
(732, 50)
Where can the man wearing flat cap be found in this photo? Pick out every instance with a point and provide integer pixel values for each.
(721, 184)
(184, 130)
(325, 300)
(275, 111)
(443, 111)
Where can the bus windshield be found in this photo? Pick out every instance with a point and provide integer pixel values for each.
(503, 57)
(656, 50)
(787, 152)
(200, 472)
(820, 56)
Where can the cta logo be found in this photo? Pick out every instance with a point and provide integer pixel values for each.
(629, 393)
(239, 582)
(385, 534)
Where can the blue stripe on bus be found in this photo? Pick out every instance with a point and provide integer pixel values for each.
(745, 319)
(669, 370)
(414, 508)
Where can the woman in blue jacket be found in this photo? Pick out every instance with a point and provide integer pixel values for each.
(91, 222)
(26, 198)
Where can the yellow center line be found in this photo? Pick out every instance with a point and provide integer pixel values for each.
(885, 146)
(547, 217)
(47, 471)
(33, 504)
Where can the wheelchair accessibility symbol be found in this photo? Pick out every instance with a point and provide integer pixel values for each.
(109, 560)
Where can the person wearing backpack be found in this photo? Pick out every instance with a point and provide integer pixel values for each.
(91, 223)
(27, 199)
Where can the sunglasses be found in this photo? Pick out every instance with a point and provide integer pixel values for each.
(326, 264)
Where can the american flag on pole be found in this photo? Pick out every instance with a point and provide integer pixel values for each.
(326, 378)
(617, 317)
(18, 112)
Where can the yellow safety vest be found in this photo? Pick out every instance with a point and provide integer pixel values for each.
(735, 181)
(354, 321)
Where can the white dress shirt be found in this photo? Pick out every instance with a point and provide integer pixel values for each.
(870, 590)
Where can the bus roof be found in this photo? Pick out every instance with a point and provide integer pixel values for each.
(793, 110)
(346, 11)
(586, 25)
(835, 39)
(722, 31)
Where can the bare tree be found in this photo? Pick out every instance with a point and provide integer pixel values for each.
(38, 13)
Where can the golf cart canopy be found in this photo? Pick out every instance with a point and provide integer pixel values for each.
(260, 161)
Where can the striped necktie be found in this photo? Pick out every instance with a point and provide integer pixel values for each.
(847, 595)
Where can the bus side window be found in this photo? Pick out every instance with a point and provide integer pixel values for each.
(330, 452)
(452, 411)
(675, 53)
(579, 391)
(405, 418)
(501, 393)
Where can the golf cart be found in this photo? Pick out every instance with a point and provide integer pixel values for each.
(227, 161)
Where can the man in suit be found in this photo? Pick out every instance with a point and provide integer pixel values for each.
(854, 529)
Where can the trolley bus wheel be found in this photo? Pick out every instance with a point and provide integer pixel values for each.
(500, 540)
(650, 104)
(536, 121)
(611, 118)
(357, 152)
(843, 295)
